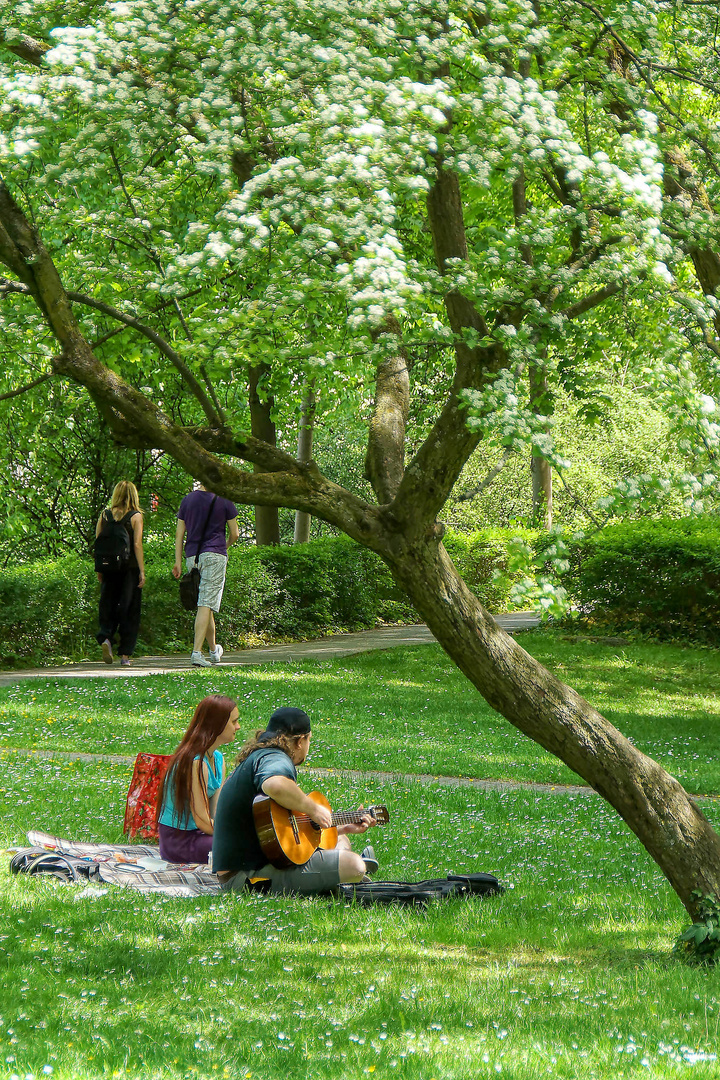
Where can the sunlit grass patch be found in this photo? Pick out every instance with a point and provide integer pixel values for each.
(400, 710)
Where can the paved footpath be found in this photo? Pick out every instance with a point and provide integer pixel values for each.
(323, 649)
(328, 648)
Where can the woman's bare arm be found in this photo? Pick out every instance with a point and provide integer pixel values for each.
(137, 527)
(199, 806)
(214, 799)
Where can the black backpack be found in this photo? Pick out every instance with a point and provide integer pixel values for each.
(112, 547)
(66, 868)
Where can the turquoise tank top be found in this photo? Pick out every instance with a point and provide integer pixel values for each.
(169, 815)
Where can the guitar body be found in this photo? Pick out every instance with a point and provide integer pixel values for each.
(286, 838)
(289, 839)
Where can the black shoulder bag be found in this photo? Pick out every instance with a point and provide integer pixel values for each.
(190, 581)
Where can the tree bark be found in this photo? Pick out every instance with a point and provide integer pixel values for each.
(304, 455)
(385, 458)
(540, 470)
(542, 492)
(267, 522)
(680, 180)
(651, 802)
(431, 475)
(30, 49)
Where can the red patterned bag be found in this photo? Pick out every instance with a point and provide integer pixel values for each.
(141, 807)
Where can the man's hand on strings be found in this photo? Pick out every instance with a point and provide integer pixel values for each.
(320, 814)
(366, 822)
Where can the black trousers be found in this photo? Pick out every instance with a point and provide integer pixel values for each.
(120, 600)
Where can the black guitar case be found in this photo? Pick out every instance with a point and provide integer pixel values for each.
(421, 893)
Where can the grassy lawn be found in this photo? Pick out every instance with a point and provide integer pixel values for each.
(402, 710)
(566, 975)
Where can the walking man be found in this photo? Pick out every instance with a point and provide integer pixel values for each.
(202, 521)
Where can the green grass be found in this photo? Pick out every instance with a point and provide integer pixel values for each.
(402, 710)
(567, 975)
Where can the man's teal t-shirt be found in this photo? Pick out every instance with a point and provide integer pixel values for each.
(169, 814)
(235, 842)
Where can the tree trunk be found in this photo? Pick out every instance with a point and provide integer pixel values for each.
(267, 522)
(680, 180)
(542, 492)
(651, 802)
(385, 457)
(304, 454)
(540, 471)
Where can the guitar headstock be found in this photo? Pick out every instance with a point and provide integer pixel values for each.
(380, 813)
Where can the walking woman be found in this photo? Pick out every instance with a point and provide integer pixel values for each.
(121, 589)
(195, 774)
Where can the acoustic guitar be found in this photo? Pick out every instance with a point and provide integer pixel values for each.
(289, 839)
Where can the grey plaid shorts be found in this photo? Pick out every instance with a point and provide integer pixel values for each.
(212, 567)
(320, 874)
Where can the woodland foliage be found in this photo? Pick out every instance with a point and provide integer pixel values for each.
(438, 215)
(227, 183)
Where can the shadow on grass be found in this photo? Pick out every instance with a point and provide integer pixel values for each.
(150, 985)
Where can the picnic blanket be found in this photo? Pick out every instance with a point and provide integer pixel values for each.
(137, 866)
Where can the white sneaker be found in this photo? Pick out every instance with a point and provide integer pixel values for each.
(198, 660)
(215, 654)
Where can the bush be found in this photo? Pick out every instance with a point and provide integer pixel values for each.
(660, 577)
(479, 555)
(48, 609)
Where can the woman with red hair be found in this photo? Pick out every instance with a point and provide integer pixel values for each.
(187, 798)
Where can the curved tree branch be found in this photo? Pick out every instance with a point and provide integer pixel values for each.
(152, 335)
(127, 409)
(580, 504)
(27, 48)
(28, 386)
(491, 475)
(592, 300)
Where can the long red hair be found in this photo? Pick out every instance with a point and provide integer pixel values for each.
(209, 720)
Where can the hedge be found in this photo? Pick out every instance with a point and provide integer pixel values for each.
(659, 577)
(48, 609)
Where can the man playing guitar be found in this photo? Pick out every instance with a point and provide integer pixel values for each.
(267, 765)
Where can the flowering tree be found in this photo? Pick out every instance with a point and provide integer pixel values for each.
(357, 194)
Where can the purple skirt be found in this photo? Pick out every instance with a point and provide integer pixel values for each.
(184, 845)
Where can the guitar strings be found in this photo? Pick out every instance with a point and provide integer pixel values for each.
(341, 817)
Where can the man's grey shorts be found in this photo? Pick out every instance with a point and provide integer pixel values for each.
(212, 568)
(320, 874)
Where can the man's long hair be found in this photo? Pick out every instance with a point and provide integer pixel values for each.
(209, 720)
(286, 743)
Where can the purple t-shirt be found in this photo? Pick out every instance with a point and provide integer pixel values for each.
(193, 511)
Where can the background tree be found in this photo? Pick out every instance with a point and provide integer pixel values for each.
(304, 455)
(208, 177)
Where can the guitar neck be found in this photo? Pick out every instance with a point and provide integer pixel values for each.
(348, 817)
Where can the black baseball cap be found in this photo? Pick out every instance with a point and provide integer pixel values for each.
(286, 721)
